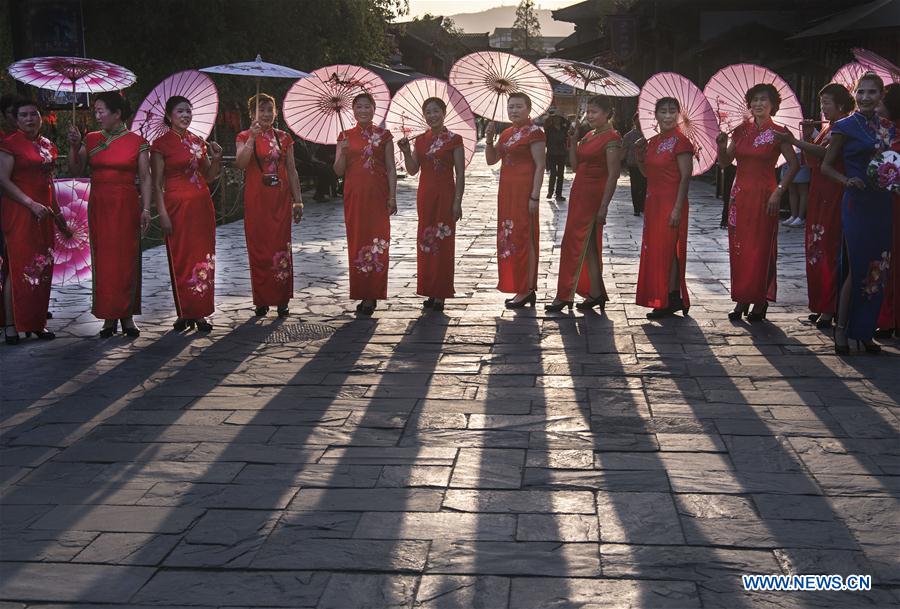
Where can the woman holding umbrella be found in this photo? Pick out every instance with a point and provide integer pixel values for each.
(365, 156)
(865, 216)
(29, 209)
(271, 198)
(181, 169)
(667, 161)
(597, 162)
(521, 150)
(755, 199)
(439, 154)
(118, 211)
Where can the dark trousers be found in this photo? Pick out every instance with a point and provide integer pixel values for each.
(638, 189)
(557, 165)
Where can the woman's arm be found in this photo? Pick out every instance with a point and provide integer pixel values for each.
(77, 152)
(832, 154)
(294, 183)
(725, 150)
(539, 154)
(410, 159)
(459, 166)
(793, 167)
(146, 189)
(157, 169)
(340, 161)
(214, 162)
(244, 150)
(573, 148)
(613, 168)
(9, 188)
(490, 153)
(391, 169)
(685, 169)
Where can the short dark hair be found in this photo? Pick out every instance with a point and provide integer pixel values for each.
(664, 101)
(841, 96)
(891, 101)
(435, 100)
(21, 102)
(767, 88)
(170, 105)
(604, 102)
(7, 101)
(363, 95)
(873, 77)
(521, 95)
(115, 102)
(263, 99)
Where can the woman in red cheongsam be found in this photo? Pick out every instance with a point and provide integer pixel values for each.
(271, 198)
(823, 215)
(667, 161)
(117, 211)
(28, 208)
(365, 156)
(439, 154)
(755, 199)
(181, 170)
(597, 159)
(521, 148)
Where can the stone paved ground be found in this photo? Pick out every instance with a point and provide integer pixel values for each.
(478, 458)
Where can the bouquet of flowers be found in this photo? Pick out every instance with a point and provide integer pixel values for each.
(884, 171)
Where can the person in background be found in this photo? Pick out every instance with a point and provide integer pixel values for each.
(798, 193)
(629, 157)
(556, 128)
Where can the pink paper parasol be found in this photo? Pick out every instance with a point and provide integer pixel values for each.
(849, 73)
(72, 256)
(195, 86)
(487, 78)
(76, 74)
(727, 88)
(588, 77)
(317, 108)
(878, 64)
(697, 119)
(404, 118)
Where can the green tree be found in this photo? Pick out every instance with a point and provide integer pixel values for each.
(526, 28)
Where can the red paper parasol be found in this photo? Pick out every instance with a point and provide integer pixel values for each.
(72, 256)
(878, 64)
(487, 78)
(195, 86)
(404, 118)
(317, 108)
(697, 119)
(588, 77)
(76, 74)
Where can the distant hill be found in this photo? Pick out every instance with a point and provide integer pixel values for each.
(503, 16)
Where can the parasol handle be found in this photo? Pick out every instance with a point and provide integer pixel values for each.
(256, 103)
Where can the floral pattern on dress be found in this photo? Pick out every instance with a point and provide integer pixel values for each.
(282, 264)
(878, 273)
(514, 139)
(44, 148)
(272, 157)
(369, 257)
(764, 138)
(373, 137)
(197, 151)
(666, 145)
(814, 251)
(429, 240)
(436, 145)
(504, 239)
(203, 275)
(38, 271)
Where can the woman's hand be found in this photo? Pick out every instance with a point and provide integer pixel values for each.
(74, 136)
(601, 217)
(774, 202)
(255, 130)
(533, 204)
(392, 205)
(215, 151)
(165, 223)
(489, 133)
(403, 145)
(297, 211)
(857, 183)
(675, 217)
(722, 140)
(785, 137)
(40, 211)
(145, 221)
(344, 144)
(62, 225)
(457, 210)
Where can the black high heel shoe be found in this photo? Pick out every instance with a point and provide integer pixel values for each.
(45, 334)
(437, 306)
(283, 311)
(531, 299)
(11, 339)
(366, 309)
(131, 331)
(840, 349)
(758, 315)
(260, 311)
(813, 317)
(589, 303)
(107, 331)
(180, 325)
(870, 347)
(739, 311)
(559, 305)
(427, 304)
(823, 323)
(203, 325)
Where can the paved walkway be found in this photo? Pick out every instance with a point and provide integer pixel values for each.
(479, 458)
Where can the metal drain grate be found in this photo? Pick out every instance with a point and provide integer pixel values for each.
(291, 333)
